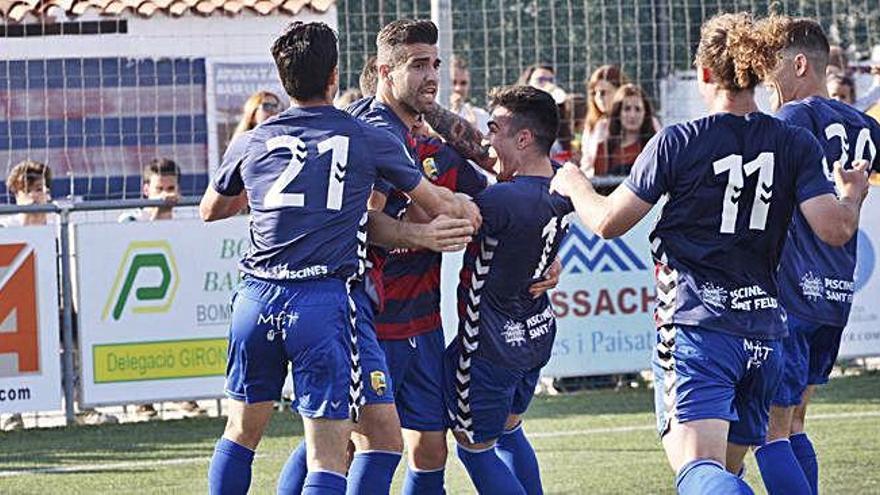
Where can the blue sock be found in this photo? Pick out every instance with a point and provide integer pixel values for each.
(371, 472)
(230, 470)
(428, 482)
(324, 483)
(517, 453)
(293, 474)
(780, 469)
(705, 476)
(806, 457)
(489, 473)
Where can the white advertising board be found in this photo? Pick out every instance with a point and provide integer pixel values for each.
(30, 365)
(154, 307)
(862, 334)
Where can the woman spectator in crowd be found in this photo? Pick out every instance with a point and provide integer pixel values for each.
(601, 87)
(258, 107)
(630, 126)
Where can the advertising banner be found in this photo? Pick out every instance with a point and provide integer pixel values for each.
(154, 307)
(30, 364)
(230, 82)
(862, 334)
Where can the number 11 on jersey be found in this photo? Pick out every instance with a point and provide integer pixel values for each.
(737, 172)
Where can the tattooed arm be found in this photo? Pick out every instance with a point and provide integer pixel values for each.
(461, 135)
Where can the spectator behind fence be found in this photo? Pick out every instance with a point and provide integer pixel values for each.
(838, 65)
(630, 126)
(458, 100)
(601, 87)
(258, 107)
(161, 181)
(841, 88)
(28, 184)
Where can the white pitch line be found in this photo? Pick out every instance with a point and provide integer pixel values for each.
(624, 429)
(77, 468)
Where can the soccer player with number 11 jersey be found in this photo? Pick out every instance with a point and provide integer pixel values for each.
(732, 181)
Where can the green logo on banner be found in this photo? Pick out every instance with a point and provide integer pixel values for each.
(146, 280)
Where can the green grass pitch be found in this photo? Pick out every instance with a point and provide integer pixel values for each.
(592, 443)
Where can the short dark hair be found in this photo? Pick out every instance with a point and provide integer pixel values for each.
(803, 35)
(369, 76)
(306, 56)
(163, 167)
(25, 174)
(532, 109)
(396, 34)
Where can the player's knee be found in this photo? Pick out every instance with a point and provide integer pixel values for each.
(238, 433)
(778, 430)
(378, 435)
(429, 454)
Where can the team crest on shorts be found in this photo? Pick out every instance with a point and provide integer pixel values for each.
(377, 381)
(430, 168)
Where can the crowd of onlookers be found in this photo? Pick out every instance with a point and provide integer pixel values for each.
(604, 129)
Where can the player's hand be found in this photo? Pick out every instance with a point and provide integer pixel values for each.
(852, 183)
(445, 234)
(469, 210)
(567, 178)
(171, 198)
(455, 101)
(551, 280)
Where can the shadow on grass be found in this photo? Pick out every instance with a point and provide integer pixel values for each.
(152, 440)
(593, 403)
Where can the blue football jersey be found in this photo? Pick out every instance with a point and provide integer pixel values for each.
(381, 116)
(815, 279)
(308, 174)
(732, 183)
(523, 227)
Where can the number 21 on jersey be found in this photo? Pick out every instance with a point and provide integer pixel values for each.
(338, 147)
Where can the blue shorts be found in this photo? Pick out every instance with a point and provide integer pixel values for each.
(810, 352)
(306, 324)
(378, 383)
(416, 366)
(703, 374)
(494, 393)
